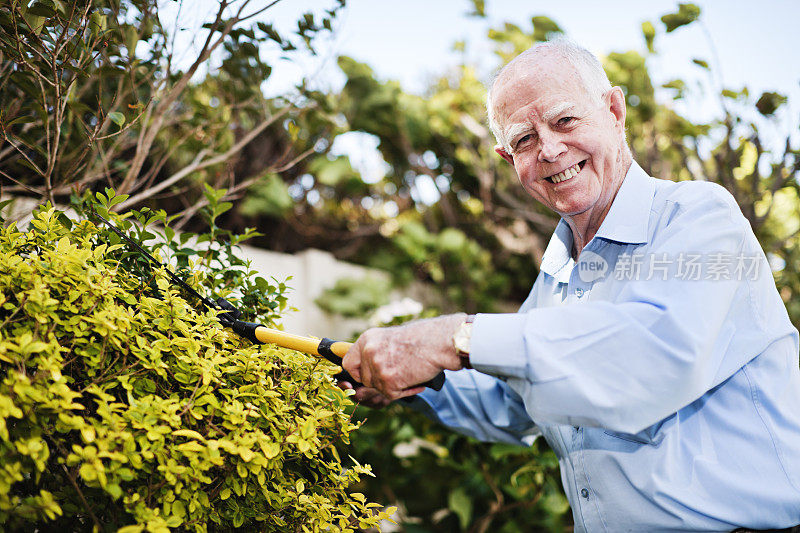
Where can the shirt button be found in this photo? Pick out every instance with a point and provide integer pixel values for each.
(578, 292)
(585, 493)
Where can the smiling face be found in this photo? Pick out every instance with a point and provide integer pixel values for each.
(567, 148)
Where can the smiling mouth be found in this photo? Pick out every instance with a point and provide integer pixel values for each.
(566, 174)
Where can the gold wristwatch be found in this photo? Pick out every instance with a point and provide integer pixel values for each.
(461, 340)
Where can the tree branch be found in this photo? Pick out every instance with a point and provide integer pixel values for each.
(199, 163)
(150, 131)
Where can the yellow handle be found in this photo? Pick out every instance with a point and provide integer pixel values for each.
(308, 345)
(333, 351)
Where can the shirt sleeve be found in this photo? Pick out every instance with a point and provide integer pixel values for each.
(659, 345)
(480, 406)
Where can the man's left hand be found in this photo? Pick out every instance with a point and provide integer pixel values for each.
(397, 359)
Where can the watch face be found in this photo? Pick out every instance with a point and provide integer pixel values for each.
(462, 336)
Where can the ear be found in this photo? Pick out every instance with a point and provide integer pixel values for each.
(505, 155)
(615, 100)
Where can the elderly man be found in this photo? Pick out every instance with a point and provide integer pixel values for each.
(653, 354)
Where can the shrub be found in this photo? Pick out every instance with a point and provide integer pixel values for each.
(123, 407)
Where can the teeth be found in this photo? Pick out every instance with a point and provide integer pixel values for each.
(566, 174)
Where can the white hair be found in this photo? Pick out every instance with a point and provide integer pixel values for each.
(585, 63)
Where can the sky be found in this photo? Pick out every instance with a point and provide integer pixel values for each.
(753, 44)
(757, 43)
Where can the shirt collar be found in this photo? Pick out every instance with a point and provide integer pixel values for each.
(627, 221)
(629, 217)
(558, 254)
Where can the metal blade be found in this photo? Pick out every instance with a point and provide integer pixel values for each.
(208, 303)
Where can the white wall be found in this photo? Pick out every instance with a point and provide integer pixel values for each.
(312, 272)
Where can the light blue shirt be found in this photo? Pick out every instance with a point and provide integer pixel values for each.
(662, 368)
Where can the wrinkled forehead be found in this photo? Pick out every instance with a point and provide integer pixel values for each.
(547, 114)
(547, 82)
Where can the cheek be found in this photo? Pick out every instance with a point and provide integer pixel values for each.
(525, 168)
(527, 177)
(535, 189)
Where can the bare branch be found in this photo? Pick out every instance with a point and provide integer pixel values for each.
(199, 163)
(146, 181)
(149, 132)
(520, 209)
(11, 148)
(22, 153)
(235, 190)
(22, 185)
(82, 497)
(293, 162)
(255, 13)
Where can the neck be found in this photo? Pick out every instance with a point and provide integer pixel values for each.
(584, 225)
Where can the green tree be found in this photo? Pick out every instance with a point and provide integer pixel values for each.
(95, 94)
(482, 239)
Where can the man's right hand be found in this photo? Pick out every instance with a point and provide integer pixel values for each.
(366, 396)
(396, 360)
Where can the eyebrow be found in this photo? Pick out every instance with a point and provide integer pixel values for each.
(556, 110)
(515, 129)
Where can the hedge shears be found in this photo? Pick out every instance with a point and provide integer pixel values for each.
(230, 316)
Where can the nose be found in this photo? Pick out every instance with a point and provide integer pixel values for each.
(551, 147)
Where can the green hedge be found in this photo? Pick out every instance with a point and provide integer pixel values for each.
(123, 407)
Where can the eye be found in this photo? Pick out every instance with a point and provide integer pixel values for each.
(564, 121)
(522, 141)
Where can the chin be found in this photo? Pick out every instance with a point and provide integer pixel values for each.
(572, 209)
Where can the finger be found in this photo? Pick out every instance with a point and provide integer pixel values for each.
(368, 374)
(375, 402)
(379, 401)
(351, 362)
(371, 398)
(365, 394)
(412, 391)
(396, 395)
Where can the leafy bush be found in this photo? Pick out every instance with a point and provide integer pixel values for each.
(444, 482)
(123, 407)
(355, 297)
